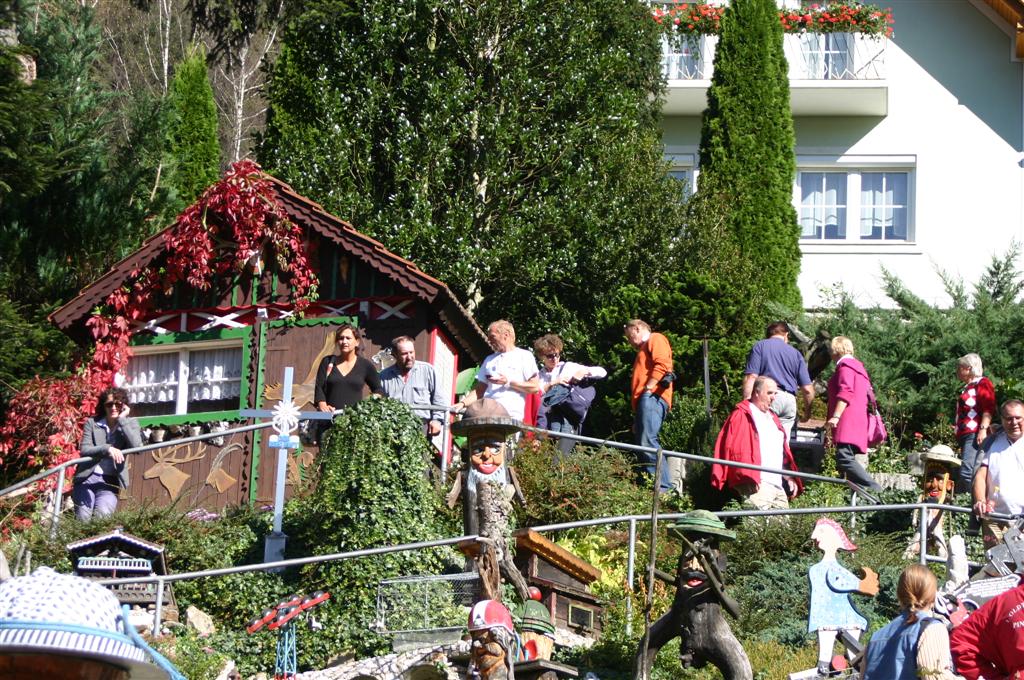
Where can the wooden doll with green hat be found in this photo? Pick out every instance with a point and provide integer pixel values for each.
(696, 615)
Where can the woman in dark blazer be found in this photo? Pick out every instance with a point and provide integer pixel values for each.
(98, 482)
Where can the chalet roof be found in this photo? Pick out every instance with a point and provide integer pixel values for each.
(530, 541)
(118, 535)
(1012, 11)
(310, 214)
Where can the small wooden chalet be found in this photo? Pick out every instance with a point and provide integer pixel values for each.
(120, 554)
(563, 580)
(203, 355)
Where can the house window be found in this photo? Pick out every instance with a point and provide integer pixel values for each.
(191, 378)
(883, 206)
(685, 177)
(854, 205)
(581, 617)
(822, 205)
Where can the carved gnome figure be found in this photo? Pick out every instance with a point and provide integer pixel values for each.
(696, 615)
(494, 644)
(490, 484)
(941, 465)
(534, 622)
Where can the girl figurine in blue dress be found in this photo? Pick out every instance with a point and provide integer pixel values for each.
(831, 584)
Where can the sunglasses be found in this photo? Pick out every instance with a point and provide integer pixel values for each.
(554, 355)
(118, 404)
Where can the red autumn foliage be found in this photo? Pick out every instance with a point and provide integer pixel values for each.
(235, 223)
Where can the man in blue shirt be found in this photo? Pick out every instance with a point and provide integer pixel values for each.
(776, 358)
(414, 383)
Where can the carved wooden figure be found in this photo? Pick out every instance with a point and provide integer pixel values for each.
(696, 614)
(940, 472)
(493, 648)
(831, 609)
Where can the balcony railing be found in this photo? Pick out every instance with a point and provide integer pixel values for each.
(811, 56)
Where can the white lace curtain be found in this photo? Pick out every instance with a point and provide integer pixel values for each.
(152, 378)
(215, 374)
(212, 374)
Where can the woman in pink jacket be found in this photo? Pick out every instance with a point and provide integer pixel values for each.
(848, 391)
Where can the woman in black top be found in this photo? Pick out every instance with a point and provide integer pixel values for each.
(340, 378)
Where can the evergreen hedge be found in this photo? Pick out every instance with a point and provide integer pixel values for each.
(747, 144)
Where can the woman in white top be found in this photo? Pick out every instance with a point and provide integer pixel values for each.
(568, 413)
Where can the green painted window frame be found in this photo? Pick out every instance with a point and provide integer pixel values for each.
(174, 339)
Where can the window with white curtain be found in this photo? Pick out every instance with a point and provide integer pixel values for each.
(188, 379)
(865, 205)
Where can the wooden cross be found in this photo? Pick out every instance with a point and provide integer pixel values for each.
(285, 418)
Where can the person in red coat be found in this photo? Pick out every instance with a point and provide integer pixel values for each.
(989, 644)
(753, 434)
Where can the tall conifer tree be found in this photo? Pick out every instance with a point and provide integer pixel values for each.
(747, 144)
(192, 146)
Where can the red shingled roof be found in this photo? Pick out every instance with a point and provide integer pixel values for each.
(306, 213)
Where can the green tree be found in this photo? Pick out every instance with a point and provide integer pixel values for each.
(509, 147)
(192, 146)
(747, 144)
(26, 161)
(93, 209)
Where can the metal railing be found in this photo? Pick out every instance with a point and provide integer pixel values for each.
(811, 56)
(631, 520)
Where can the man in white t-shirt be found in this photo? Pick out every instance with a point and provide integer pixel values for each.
(508, 375)
(999, 479)
(753, 434)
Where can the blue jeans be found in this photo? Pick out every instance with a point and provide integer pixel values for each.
(970, 453)
(650, 414)
(558, 423)
(93, 499)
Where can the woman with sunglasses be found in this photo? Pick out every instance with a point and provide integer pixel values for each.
(98, 482)
(568, 413)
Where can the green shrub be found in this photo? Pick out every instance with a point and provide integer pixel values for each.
(193, 656)
(590, 483)
(372, 492)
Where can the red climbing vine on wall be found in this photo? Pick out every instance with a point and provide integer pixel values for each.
(231, 229)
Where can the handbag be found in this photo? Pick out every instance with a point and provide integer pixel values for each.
(876, 426)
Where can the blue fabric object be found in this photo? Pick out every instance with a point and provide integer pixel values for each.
(892, 653)
(831, 608)
(971, 456)
(650, 414)
(781, 362)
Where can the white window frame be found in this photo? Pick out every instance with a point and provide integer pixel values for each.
(184, 350)
(855, 167)
(684, 162)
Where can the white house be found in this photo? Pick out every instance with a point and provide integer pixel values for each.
(909, 149)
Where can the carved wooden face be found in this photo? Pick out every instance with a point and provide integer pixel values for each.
(937, 482)
(488, 655)
(487, 454)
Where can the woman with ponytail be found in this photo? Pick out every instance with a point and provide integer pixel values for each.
(915, 644)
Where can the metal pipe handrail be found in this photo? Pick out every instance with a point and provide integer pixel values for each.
(299, 561)
(695, 457)
(294, 562)
(132, 451)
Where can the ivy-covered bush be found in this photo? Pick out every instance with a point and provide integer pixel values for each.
(589, 483)
(372, 492)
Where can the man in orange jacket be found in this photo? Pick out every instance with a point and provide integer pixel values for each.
(651, 392)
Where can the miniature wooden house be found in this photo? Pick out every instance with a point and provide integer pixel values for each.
(563, 579)
(118, 554)
(201, 356)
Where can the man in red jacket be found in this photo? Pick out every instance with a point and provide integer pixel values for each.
(753, 434)
(990, 643)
